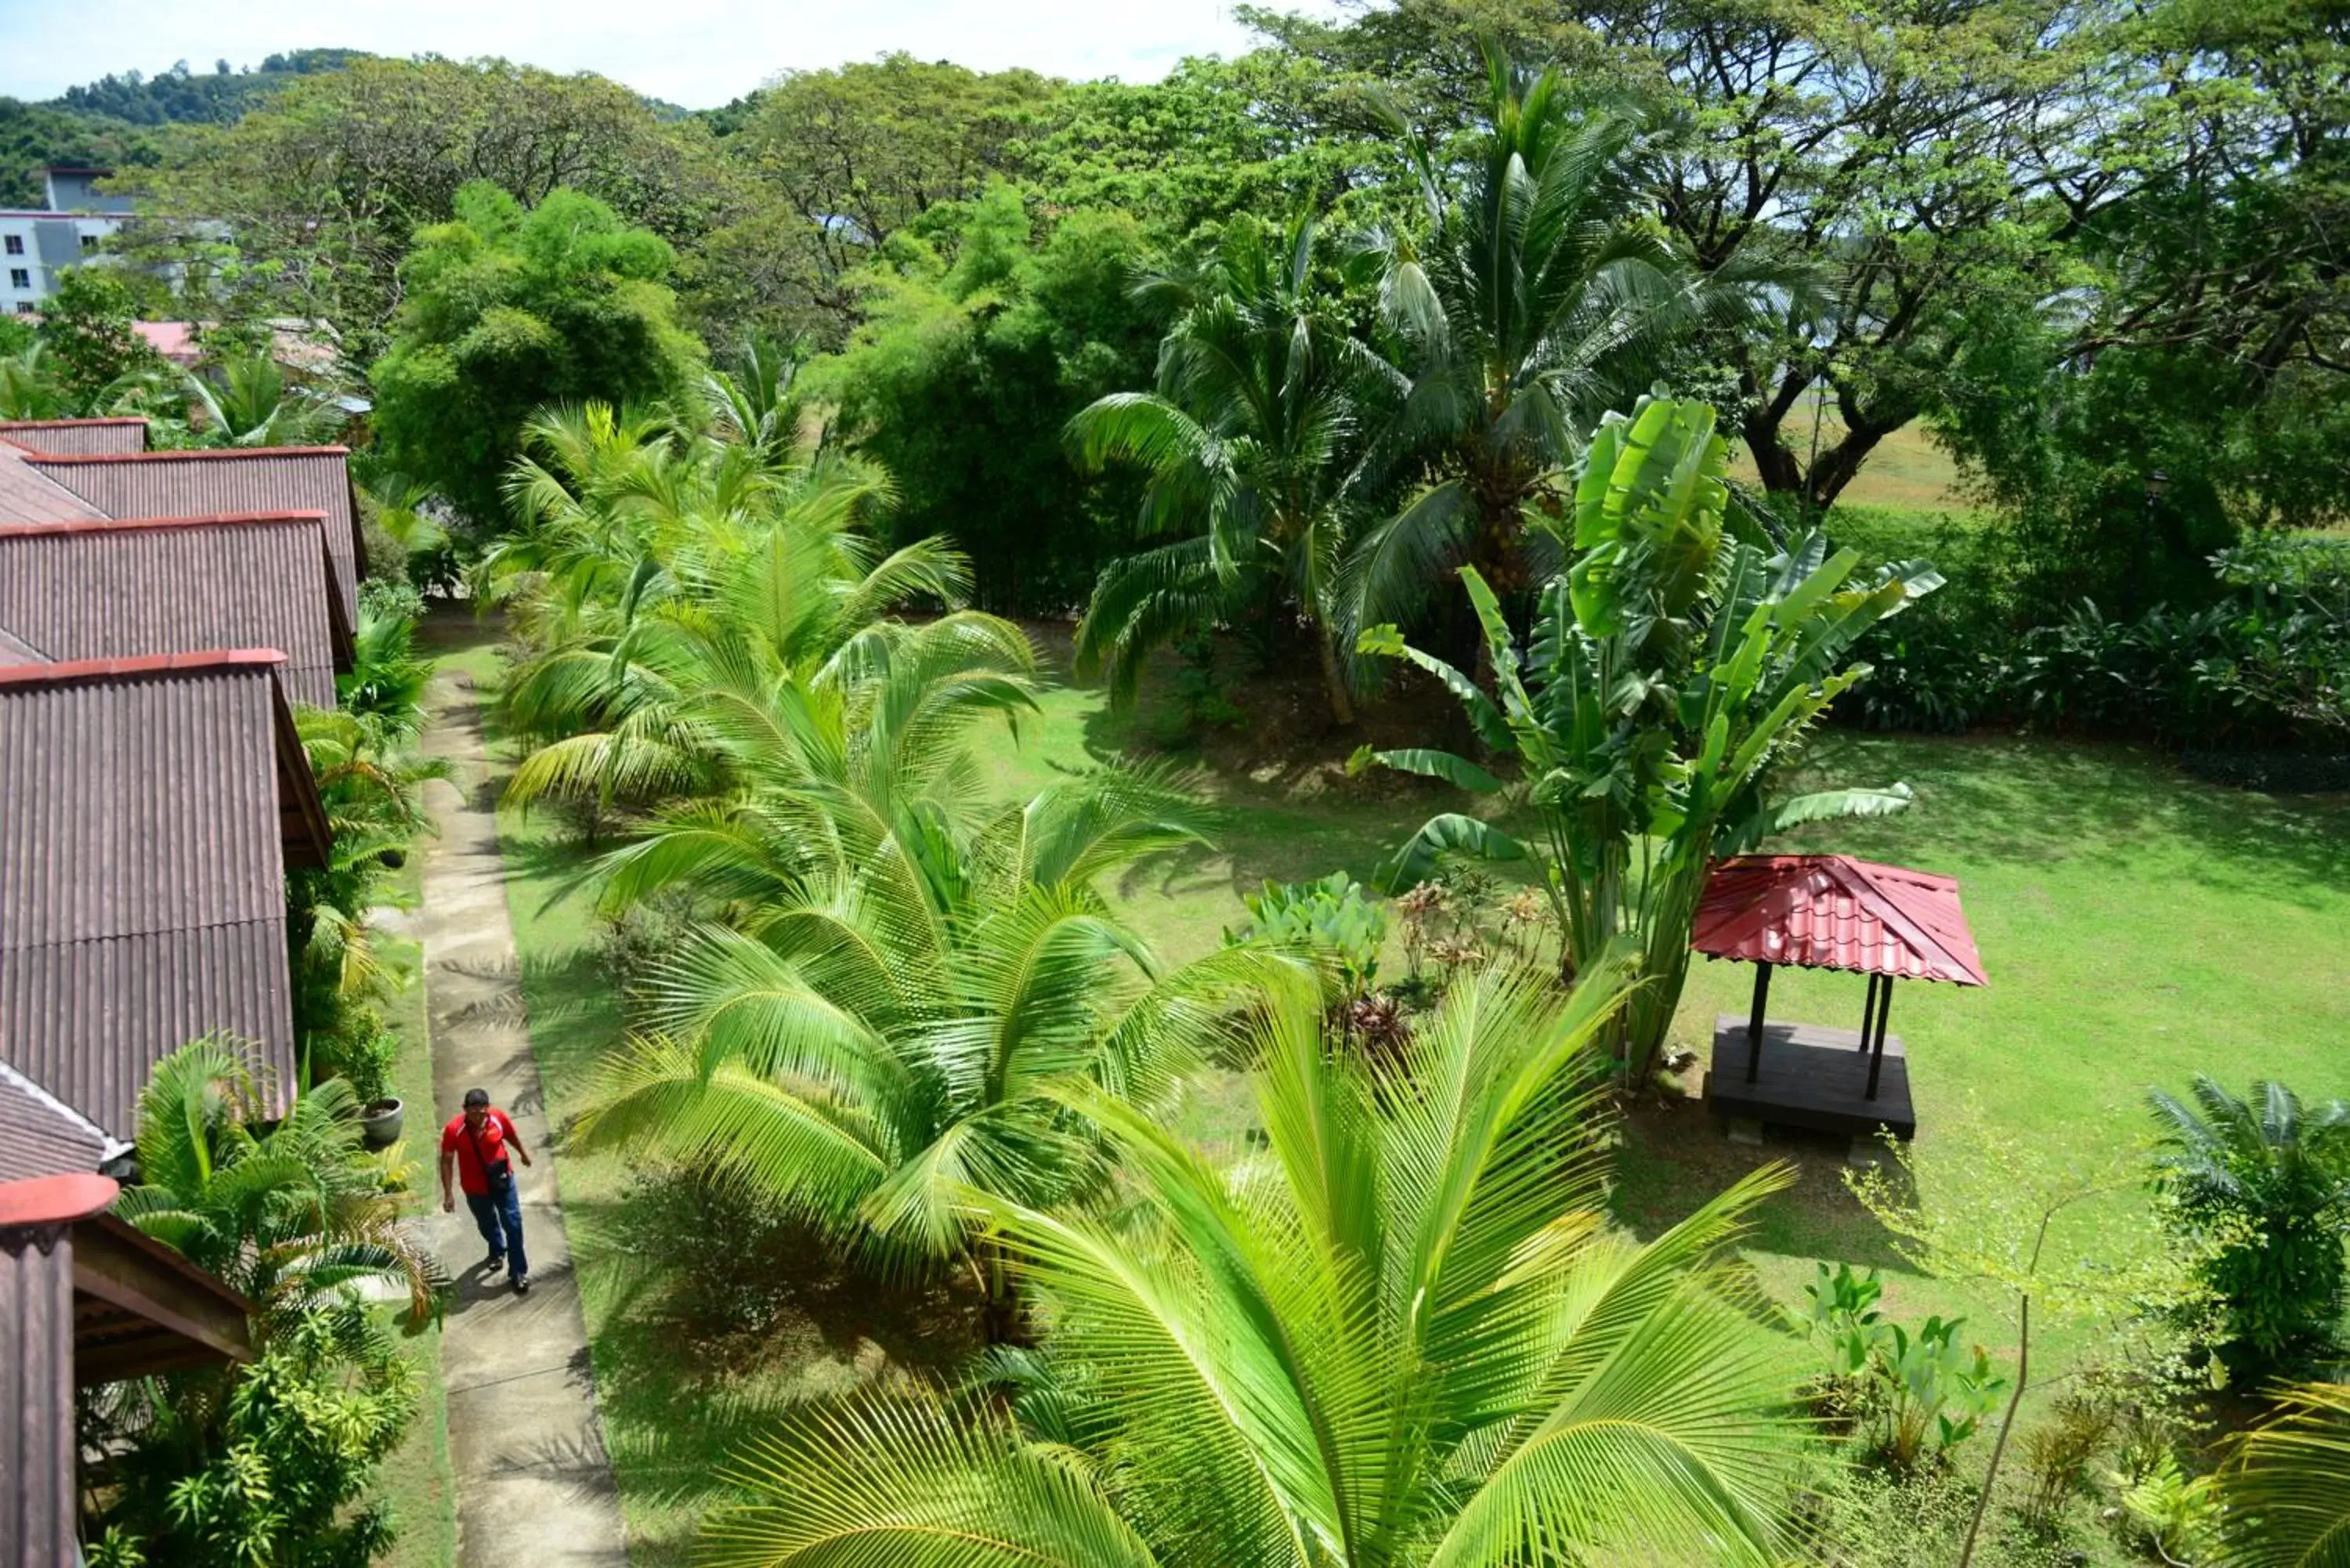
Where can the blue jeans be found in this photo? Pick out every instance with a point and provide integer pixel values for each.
(500, 1211)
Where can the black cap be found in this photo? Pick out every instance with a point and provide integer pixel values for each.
(476, 1098)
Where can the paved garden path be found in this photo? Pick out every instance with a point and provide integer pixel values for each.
(533, 1482)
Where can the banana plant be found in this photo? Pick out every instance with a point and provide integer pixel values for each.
(1671, 675)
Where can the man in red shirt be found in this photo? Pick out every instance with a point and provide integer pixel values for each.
(478, 1140)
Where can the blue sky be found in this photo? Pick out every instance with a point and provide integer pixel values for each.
(698, 53)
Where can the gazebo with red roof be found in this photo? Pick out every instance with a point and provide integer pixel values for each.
(1826, 911)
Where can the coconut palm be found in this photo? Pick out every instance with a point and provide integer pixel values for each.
(1406, 1335)
(2287, 1485)
(2279, 1171)
(246, 399)
(1251, 442)
(290, 1214)
(1540, 297)
(876, 1029)
(27, 388)
(757, 405)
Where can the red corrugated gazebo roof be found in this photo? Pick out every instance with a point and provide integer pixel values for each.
(1830, 911)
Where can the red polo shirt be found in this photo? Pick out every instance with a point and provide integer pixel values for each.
(492, 1139)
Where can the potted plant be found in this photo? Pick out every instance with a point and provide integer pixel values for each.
(380, 1121)
(367, 1064)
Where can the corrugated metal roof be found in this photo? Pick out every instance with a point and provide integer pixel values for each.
(40, 1135)
(142, 866)
(36, 1391)
(1830, 911)
(14, 650)
(26, 496)
(170, 585)
(233, 479)
(73, 437)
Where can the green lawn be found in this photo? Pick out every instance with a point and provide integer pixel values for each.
(2137, 927)
(417, 1477)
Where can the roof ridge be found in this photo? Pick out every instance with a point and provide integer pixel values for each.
(212, 661)
(42, 458)
(72, 424)
(188, 520)
(1854, 876)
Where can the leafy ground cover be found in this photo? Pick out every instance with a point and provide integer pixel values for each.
(2137, 927)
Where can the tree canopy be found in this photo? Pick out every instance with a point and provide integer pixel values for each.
(509, 309)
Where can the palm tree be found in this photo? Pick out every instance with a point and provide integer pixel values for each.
(1406, 1335)
(28, 389)
(1665, 685)
(878, 1028)
(290, 1214)
(2281, 1173)
(1251, 442)
(757, 405)
(245, 400)
(2287, 1485)
(1541, 297)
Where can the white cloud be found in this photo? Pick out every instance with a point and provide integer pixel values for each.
(698, 53)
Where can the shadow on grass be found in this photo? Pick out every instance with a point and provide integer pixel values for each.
(714, 1333)
(2030, 800)
(1674, 1158)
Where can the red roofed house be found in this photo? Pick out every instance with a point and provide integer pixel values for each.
(149, 810)
(118, 589)
(227, 479)
(71, 437)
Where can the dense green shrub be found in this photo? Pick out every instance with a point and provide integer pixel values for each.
(983, 334)
(271, 1463)
(1334, 916)
(2271, 1179)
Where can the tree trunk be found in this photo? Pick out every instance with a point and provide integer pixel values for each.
(1004, 1319)
(2007, 1424)
(1334, 679)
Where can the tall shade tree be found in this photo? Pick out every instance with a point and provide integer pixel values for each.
(290, 1215)
(507, 310)
(1668, 679)
(2287, 1485)
(1406, 1335)
(1541, 296)
(1251, 442)
(880, 1027)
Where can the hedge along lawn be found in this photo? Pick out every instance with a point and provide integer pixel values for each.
(2137, 927)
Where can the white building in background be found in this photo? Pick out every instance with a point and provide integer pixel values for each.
(36, 245)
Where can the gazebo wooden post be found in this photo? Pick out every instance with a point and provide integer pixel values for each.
(1869, 1009)
(1754, 1021)
(1877, 1050)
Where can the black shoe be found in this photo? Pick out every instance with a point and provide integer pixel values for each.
(521, 1284)
(494, 1262)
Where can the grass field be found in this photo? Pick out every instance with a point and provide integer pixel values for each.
(1907, 470)
(417, 1477)
(2138, 927)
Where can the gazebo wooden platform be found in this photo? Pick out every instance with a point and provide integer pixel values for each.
(1809, 1076)
(1825, 911)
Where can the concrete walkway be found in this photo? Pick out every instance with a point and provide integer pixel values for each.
(533, 1482)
